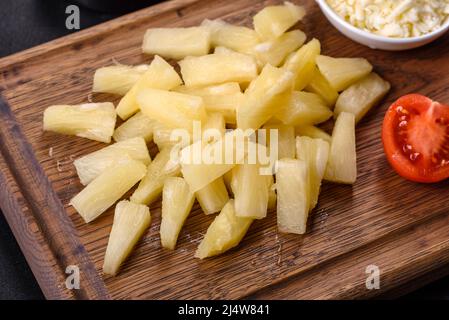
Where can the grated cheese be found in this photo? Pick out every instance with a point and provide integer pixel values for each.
(394, 18)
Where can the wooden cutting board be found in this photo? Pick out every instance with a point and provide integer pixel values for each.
(382, 220)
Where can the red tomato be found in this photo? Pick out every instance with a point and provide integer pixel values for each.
(415, 136)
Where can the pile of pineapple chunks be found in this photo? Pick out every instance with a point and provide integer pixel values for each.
(266, 77)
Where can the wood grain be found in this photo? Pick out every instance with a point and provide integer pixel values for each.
(382, 219)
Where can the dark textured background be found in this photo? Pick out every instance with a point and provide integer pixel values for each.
(24, 24)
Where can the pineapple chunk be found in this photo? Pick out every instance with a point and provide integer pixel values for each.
(315, 153)
(214, 90)
(218, 68)
(343, 72)
(160, 75)
(173, 109)
(177, 202)
(139, 125)
(292, 194)
(322, 87)
(237, 38)
(313, 132)
(130, 222)
(177, 43)
(275, 51)
(224, 233)
(302, 108)
(272, 21)
(362, 96)
(250, 191)
(302, 63)
(150, 188)
(273, 120)
(213, 197)
(199, 175)
(215, 120)
(92, 165)
(224, 104)
(118, 79)
(107, 188)
(162, 136)
(227, 177)
(95, 121)
(271, 194)
(256, 109)
(286, 140)
(342, 164)
(224, 98)
(224, 50)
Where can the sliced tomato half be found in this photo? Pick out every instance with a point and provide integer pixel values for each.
(415, 136)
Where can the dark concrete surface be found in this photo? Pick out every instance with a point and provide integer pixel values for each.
(24, 24)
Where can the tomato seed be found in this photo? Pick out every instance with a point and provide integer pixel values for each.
(414, 156)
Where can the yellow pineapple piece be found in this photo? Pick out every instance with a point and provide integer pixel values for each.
(223, 98)
(322, 87)
(313, 132)
(92, 165)
(272, 198)
(342, 163)
(275, 51)
(95, 121)
(224, 104)
(215, 120)
(315, 153)
(286, 139)
(343, 72)
(139, 125)
(213, 197)
(218, 68)
(177, 202)
(224, 233)
(302, 63)
(130, 222)
(177, 43)
(362, 96)
(302, 108)
(227, 177)
(213, 90)
(162, 136)
(107, 188)
(117, 79)
(237, 38)
(224, 50)
(255, 108)
(272, 21)
(199, 174)
(172, 109)
(250, 191)
(160, 75)
(150, 188)
(273, 120)
(292, 196)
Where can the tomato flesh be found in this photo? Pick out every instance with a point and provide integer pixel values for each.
(415, 136)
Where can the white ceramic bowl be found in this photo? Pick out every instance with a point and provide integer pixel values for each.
(375, 41)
